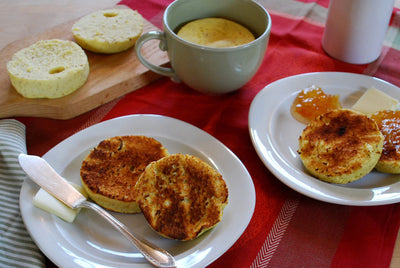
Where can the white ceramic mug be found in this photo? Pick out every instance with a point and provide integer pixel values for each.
(355, 29)
(209, 69)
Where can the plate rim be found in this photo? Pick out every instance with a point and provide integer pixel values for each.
(269, 157)
(212, 255)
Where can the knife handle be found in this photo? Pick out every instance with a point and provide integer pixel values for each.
(155, 255)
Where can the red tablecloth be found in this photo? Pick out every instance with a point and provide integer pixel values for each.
(287, 229)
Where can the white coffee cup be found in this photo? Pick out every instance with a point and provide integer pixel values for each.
(355, 29)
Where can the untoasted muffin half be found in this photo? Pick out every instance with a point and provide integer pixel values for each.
(108, 31)
(181, 196)
(340, 146)
(111, 170)
(388, 123)
(48, 69)
(216, 32)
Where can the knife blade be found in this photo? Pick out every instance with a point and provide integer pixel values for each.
(44, 175)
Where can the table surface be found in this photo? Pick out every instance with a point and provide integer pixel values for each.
(22, 18)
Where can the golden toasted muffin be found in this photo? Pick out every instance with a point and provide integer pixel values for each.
(181, 196)
(48, 69)
(340, 146)
(111, 170)
(389, 124)
(108, 31)
(216, 32)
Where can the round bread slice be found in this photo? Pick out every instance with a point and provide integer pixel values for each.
(181, 196)
(216, 32)
(111, 170)
(48, 69)
(388, 123)
(108, 31)
(340, 146)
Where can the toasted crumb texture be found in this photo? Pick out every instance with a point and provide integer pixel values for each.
(181, 196)
(48, 69)
(340, 146)
(111, 170)
(108, 31)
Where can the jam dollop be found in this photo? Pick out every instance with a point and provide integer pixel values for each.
(389, 124)
(311, 102)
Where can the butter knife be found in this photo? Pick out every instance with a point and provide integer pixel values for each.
(44, 175)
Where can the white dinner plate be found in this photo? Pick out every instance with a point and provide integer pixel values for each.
(92, 242)
(274, 133)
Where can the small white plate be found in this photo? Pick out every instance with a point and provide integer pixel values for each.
(92, 242)
(274, 133)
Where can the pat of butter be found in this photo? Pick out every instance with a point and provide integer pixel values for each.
(375, 100)
(49, 203)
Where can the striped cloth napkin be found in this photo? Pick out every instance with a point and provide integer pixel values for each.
(16, 246)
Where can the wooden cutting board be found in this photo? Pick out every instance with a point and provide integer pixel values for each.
(110, 77)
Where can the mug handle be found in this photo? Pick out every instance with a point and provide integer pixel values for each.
(163, 46)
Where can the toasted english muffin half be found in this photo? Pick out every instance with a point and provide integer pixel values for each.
(181, 196)
(388, 123)
(111, 170)
(340, 146)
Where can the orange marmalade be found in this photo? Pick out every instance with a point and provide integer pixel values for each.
(312, 102)
(389, 124)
